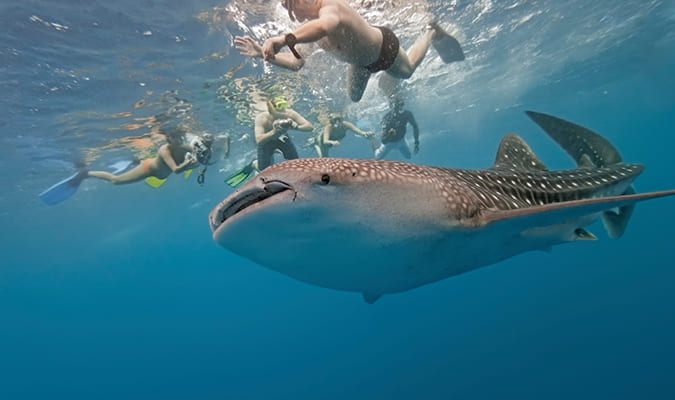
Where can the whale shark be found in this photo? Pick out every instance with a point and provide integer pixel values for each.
(381, 227)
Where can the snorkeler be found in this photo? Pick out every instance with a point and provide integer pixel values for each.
(271, 135)
(336, 130)
(271, 131)
(172, 157)
(394, 126)
(340, 30)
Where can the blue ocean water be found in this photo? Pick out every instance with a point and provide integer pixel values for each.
(120, 291)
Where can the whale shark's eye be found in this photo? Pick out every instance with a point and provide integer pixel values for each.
(325, 179)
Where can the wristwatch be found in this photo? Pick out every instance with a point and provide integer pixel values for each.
(290, 40)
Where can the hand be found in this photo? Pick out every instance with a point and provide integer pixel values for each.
(417, 147)
(279, 125)
(247, 46)
(368, 134)
(284, 124)
(188, 160)
(272, 46)
(333, 143)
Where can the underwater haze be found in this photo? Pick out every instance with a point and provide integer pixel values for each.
(120, 291)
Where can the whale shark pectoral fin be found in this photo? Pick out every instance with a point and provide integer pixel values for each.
(371, 298)
(616, 220)
(583, 234)
(548, 215)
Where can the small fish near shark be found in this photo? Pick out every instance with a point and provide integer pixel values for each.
(382, 227)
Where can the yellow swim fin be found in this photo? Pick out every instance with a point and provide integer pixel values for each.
(154, 182)
(187, 173)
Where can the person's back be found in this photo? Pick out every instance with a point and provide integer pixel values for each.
(351, 38)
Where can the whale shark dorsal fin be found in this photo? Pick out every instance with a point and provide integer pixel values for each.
(514, 153)
(371, 298)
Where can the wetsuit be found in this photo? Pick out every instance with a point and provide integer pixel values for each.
(394, 126)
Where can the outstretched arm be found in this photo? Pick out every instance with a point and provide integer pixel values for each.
(356, 130)
(302, 123)
(249, 47)
(308, 32)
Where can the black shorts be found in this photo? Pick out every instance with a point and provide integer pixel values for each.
(388, 52)
(267, 149)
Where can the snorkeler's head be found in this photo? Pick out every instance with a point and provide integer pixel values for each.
(396, 101)
(207, 139)
(334, 118)
(300, 10)
(278, 103)
(172, 133)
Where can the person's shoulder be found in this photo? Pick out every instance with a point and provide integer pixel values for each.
(263, 116)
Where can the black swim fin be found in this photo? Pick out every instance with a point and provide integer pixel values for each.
(446, 45)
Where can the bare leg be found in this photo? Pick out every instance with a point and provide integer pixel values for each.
(373, 144)
(357, 79)
(406, 63)
(134, 175)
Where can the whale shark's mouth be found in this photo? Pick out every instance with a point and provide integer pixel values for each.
(240, 201)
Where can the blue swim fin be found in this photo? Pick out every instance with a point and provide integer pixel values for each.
(119, 166)
(63, 190)
(447, 46)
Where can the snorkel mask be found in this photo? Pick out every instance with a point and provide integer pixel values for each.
(334, 118)
(279, 103)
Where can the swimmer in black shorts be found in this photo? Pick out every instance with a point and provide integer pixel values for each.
(271, 131)
(340, 30)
